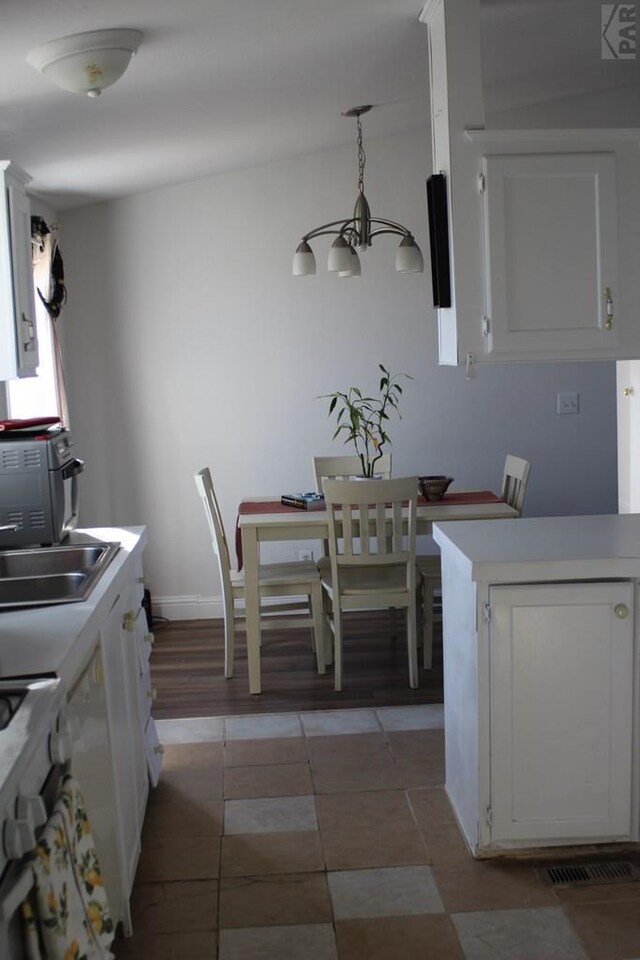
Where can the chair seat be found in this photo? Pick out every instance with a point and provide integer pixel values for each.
(361, 580)
(295, 572)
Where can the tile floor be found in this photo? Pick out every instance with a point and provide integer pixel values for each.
(328, 836)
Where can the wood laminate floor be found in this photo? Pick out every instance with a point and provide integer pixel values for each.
(187, 668)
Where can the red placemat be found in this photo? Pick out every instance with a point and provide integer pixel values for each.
(274, 506)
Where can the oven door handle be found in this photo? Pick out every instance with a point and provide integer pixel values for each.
(72, 469)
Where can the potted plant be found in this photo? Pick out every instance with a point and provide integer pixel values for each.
(363, 419)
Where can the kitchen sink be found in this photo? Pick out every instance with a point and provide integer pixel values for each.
(47, 575)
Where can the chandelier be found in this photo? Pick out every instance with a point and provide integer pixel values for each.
(356, 233)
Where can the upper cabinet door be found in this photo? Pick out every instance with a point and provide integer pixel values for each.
(18, 338)
(551, 253)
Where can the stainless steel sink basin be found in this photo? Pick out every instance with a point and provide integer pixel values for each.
(46, 575)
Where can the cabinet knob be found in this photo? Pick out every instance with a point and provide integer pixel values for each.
(150, 638)
(628, 392)
(129, 621)
(152, 693)
(158, 749)
(621, 611)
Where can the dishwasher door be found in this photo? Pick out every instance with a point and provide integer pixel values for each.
(91, 765)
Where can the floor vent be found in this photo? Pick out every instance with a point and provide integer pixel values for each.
(604, 871)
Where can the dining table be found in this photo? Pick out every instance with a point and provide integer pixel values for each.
(265, 519)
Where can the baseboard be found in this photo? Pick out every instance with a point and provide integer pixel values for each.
(196, 608)
(188, 608)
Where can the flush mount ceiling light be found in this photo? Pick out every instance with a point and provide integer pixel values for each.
(86, 62)
(357, 232)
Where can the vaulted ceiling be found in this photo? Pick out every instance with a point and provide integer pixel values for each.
(227, 84)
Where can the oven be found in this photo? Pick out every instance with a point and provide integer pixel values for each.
(35, 748)
(38, 486)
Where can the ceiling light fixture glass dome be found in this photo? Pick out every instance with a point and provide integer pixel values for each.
(88, 62)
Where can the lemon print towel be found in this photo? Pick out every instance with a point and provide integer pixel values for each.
(67, 915)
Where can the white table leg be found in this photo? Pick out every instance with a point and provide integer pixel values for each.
(251, 560)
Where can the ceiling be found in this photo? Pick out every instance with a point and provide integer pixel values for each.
(224, 85)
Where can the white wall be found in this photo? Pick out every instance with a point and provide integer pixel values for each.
(190, 343)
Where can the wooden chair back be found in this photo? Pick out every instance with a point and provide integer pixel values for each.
(343, 467)
(367, 526)
(514, 481)
(204, 485)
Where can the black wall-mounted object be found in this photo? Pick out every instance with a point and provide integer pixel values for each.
(439, 239)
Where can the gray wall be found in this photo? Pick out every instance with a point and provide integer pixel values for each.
(188, 343)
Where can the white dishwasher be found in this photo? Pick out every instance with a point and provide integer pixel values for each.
(91, 766)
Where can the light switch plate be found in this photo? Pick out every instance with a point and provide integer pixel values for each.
(568, 402)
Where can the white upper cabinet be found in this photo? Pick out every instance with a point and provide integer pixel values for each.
(544, 225)
(18, 339)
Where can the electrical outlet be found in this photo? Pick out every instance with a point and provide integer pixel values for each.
(568, 403)
(305, 555)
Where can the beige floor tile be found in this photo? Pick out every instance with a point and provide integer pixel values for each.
(179, 859)
(271, 853)
(274, 780)
(176, 907)
(178, 783)
(431, 805)
(312, 941)
(356, 773)
(420, 772)
(367, 809)
(471, 885)
(270, 815)
(598, 893)
(274, 900)
(347, 747)
(445, 843)
(243, 753)
(427, 937)
(197, 755)
(416, 744)
(609, 930)
(171, 946)
(189, 817)
(346, 849)
(383, 892)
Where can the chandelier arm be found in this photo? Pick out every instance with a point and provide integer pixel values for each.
(319, 231)
(394, 227)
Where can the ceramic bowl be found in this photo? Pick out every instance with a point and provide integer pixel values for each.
(434, 487)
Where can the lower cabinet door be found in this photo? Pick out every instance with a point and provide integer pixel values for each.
(561, 695)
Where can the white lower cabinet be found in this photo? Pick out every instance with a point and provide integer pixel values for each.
(128, 715)
(561, 695)
(541, 638)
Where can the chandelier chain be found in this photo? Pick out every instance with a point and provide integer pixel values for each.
(362, 157)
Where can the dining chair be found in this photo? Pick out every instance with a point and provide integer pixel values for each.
(514, 481)
(292, 580)
(344, 467)
(372, 553)
(514, 485)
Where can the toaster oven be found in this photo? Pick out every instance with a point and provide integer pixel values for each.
(38, 487)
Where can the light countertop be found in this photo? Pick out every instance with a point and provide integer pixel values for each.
(545, 548)
(59, 639)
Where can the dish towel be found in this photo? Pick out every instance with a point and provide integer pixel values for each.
(66, 916)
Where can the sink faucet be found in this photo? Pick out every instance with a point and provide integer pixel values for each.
(10, 526)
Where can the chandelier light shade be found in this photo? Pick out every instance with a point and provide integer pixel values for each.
(356, 233)
(86, 63)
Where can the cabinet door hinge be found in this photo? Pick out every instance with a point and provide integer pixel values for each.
(482, 183)
(486, 326)
(486, 612)
(489, 815)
